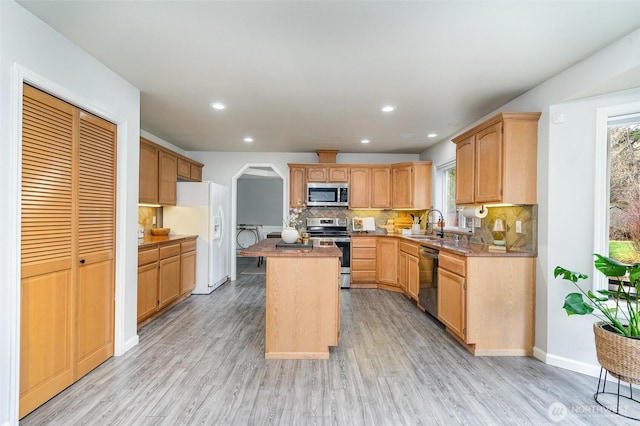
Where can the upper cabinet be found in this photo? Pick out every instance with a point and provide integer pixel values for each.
(381, 187)
(411, 183)
(327, 174)
(496, 160)
(160, 168)
(370, 187)
(360, 188)
(297, 187)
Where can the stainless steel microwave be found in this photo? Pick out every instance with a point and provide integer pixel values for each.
(328, 194)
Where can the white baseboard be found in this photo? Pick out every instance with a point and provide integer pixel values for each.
(129, 344)
(592, 370)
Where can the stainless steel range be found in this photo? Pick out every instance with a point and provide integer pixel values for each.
(333, 231)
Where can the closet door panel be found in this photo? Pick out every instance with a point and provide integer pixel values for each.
(96, 241)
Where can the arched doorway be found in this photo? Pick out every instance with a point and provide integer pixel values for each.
(263, 179)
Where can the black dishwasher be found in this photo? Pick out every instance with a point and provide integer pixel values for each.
(428, 272)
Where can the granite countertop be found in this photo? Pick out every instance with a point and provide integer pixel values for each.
(267, 248)
(460, 247)
(151, 240)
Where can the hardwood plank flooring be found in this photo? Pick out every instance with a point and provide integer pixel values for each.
(203, 363)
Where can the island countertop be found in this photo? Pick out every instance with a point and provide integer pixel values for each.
(267, 248)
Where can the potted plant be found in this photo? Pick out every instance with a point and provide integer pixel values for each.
(290, 232)
(617, 334)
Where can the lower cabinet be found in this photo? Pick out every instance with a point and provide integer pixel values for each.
(408, 269)
(387, 261)
(452, 299)
(363, 261)
(166, 274)
(490, 313)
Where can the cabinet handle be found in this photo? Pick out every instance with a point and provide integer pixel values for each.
(82, 261)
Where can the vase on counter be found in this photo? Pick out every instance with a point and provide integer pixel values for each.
(289, 235)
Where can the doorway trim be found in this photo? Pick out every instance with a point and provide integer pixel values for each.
(234, 208)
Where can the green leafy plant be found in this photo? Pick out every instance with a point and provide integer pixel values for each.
(619, 308)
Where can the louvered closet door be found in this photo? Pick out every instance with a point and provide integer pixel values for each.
(68, 245)
(46, 356)
(96, 241)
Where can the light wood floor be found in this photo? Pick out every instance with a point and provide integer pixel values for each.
(203, 363)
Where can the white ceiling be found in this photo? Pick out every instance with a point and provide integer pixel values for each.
(304, 75)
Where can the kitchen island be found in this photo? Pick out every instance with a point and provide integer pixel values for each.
(303, 299)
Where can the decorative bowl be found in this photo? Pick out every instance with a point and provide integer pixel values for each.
(160, 231)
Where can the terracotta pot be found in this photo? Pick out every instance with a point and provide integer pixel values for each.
(289, 235)
(618, 354)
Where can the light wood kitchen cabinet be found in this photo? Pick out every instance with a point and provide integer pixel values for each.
(168, 274)
(381, 187)
(408, 269)
(148, 173)
(411, 185)
(317, 174)
(363, 261)
(147, 282)
(452, 297)
(491, 313)
(159, 170)
(359, 188)
(499, 160)
(387, 261)
(167, 178)
(339, 174)
(297, 187)
(187, 266)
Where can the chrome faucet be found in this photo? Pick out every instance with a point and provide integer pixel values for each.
(441, 222)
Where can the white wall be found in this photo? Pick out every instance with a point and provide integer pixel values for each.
(566, 163)
(32, 51)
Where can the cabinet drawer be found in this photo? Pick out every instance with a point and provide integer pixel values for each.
(188, 246)
(169, 251)
(363, 242)
(363, 253)
(148, 255)
(453, 262)
(363, 276)
(408, 248)
(363, 265)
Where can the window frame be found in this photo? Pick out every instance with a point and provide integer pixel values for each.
(441, 189)
(601, 183)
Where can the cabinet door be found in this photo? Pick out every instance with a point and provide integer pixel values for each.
(167, 177)
(168, 281)
(381, 187)
(196, 172)
(188, 272)
(317, 174)
(147, 290)
(488, 146)
(339, 174)
(359, 190)
(402, 189)
(402, 270)
(413, 277)
(465, 171)
(452, 306)
(297, 187)
(387, 261)
(148, 174)
(184, 168)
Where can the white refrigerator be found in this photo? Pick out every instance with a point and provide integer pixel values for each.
(202, 209)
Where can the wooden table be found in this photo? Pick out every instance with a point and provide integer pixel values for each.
(303, 299)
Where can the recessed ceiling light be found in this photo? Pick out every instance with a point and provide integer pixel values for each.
(388, 108)
(432, 135)
(218, 105)
(248, 139)
(365, 141)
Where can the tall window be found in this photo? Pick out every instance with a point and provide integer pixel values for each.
(446, 196)
(623, 138)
